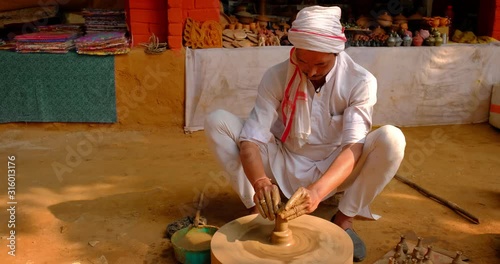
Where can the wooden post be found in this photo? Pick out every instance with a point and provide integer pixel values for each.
(262, 7)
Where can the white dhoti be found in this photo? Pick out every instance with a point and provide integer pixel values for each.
(383, 152)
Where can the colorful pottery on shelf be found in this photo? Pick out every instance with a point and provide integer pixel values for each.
(385, 20)
(399, 40)
(438, 39)
(417, 39)
(444, 21)
(430, 41)
(407, 40)
(424, 33)
(391, 41)
(434, 22)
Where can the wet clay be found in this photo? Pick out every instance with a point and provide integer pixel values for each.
(257, 242)
(282, 235)
(252, 239)
(195, 241)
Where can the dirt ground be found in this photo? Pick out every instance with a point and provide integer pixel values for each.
(117, 189)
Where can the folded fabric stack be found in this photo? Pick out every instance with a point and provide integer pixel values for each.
(48, 42)
(8, 45)
(103, 43)
(62, 28)
(98, 20)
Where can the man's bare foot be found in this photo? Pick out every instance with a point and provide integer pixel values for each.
(345, 222)
(342, 220)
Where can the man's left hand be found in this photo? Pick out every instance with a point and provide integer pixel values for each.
(303, 201)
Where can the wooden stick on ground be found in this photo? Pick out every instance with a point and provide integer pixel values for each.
(440, 200)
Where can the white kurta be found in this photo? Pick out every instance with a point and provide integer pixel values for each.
(340, 114)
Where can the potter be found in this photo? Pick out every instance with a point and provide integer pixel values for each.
(310, 133)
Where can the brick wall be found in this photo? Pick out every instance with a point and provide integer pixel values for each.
(146, 17)
(166, 18)
(179, 10)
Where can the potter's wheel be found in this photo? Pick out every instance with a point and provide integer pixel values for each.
(248, 240)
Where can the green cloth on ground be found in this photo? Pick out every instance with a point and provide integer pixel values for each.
(57, 88)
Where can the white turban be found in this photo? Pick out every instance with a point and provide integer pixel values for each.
(318, 28)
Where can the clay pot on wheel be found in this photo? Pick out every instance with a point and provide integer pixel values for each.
(253, 239)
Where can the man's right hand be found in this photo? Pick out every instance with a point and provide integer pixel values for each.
(267, 198)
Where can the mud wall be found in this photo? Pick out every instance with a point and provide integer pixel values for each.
(150, 88)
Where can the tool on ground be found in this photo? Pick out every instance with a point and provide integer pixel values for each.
(440, 200)
(186, 221)
(196, 221)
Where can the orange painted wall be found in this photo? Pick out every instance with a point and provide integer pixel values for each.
(166, 18)
(496, 23)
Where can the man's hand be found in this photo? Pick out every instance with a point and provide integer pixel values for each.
(267, 198)
(303, 201)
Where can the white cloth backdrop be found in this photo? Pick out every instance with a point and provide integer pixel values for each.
(417, 86)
